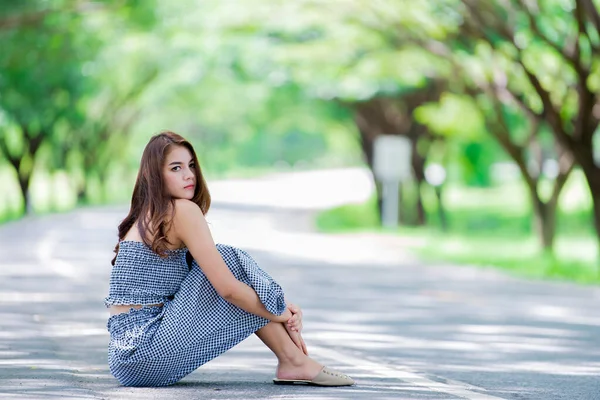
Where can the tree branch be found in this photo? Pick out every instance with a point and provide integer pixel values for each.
(502, 91)
(501, 131)
(533, 131)
(572, 58)
(550, 112)
(14, 161)
(566, 163)
(592, 12)
(587, 99)
(580, 14)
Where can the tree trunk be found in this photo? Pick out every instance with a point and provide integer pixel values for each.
(418, 167)
(394, 115)
(102, 173)
(596, 212)
(379, 194)
(24, 170)
(584, 156)
(416, 211)
(421, 216)
(24, 186)
(366, 142)
(82, 193)
(367, 146)
(592, 176)
(440, 208)
(545, 222)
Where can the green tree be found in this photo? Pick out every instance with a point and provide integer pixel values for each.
(545, 61)
(52, 97)
(353, 54)
(498, 87)
(39, 89)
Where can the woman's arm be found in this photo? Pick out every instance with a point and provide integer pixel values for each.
(189, 225)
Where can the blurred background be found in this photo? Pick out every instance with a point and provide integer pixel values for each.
(499, 100)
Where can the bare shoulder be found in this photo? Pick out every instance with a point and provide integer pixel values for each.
(186, 210)
(187, 218)
(189, 225)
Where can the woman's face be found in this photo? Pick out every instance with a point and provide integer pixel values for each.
(179, 173)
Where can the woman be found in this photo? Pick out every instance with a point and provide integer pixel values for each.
(176, 299)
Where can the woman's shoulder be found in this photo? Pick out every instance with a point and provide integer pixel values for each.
(133, 235)
(185, 209)
(186, 213)
(188, 219)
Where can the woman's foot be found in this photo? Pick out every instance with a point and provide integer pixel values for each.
(302, 369)
(325, 377)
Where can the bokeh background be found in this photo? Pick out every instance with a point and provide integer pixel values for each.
(500, 95)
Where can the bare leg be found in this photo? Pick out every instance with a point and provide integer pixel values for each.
(293, 363)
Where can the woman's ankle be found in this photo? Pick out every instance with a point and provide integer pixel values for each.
(306, 369)
(293, 359)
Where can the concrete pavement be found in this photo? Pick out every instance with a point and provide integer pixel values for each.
(403, 330)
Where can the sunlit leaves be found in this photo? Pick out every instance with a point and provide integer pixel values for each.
(453, 115)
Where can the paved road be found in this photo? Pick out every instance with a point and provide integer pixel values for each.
(402, 329)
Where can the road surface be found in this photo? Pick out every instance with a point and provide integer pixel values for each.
(402, 329)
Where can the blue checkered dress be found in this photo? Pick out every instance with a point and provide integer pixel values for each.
(158, 346)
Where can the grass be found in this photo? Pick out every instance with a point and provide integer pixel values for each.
(488, 228)
(518, 255)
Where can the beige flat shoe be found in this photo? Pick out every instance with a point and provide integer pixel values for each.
(326, 377)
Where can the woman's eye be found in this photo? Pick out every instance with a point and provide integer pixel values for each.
(192, 166)
(176, 168)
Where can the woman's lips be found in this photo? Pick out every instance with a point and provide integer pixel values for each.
(189, 187)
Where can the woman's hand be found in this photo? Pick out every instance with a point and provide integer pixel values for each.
(284, 317)
(297, 339)
(293, 326)
(295, 322)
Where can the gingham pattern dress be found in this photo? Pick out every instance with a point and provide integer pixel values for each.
(158, 346)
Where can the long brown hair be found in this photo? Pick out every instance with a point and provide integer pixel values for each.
(150, 203)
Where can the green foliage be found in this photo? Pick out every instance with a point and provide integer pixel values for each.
(453, 115)
(40, 88)
(350, 217)
(54, 95)
(491, 227)
(477, 159)
(264, 84)
(501, 210)
(517, 255)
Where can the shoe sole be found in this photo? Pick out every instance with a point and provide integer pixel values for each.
(294, 382)
(304, 382)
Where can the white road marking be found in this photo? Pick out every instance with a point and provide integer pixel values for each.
(456, 388)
